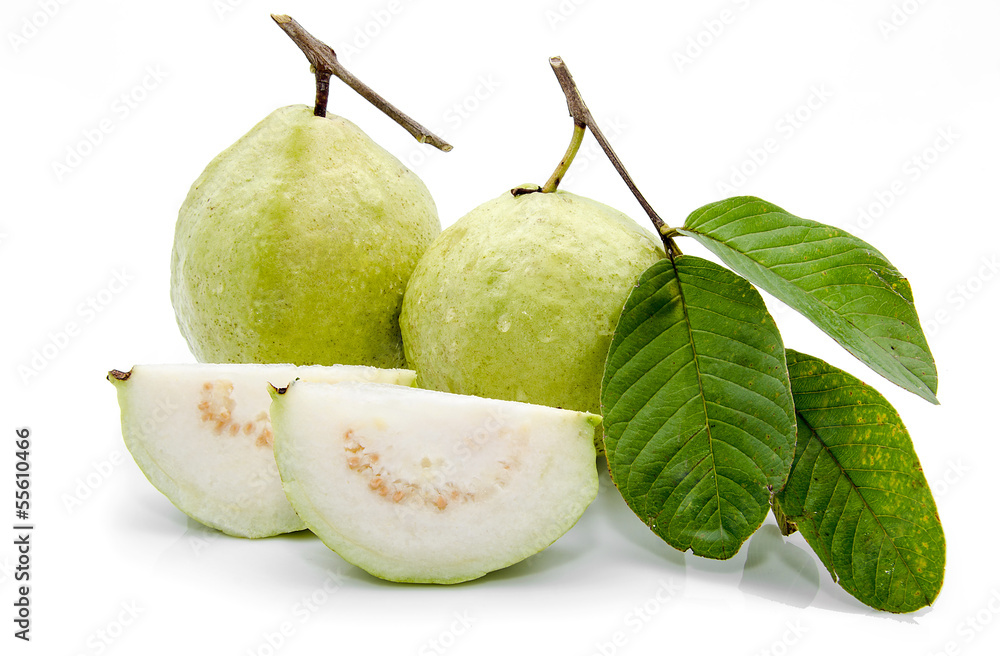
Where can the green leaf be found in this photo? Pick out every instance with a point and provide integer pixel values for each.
(839, 282)
(857, 493)
(697, 406)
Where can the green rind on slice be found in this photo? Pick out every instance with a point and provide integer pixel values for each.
(429, 487)
(202, 436)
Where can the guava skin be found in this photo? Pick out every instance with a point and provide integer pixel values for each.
(295, 246)
(518, 300)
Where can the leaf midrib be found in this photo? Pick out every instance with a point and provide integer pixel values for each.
(790, 281)
(864, 501)
(704, 404)
(822, 302)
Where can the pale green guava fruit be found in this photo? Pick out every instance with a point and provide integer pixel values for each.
(420, 486)
(201, 433)
(518, 299)
(295, 245)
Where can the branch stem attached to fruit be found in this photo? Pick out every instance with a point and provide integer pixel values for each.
(322, 91)
(579, 129)
(325, 64)
(582, 117)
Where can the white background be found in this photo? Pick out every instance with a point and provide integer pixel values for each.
(116, 569)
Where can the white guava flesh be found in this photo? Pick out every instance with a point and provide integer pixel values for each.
(201, 433)
(430, 487)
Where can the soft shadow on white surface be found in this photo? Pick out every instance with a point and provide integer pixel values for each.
(557, 556)
(612, 507)
(779, 571)
(768, 566)
(144, 510)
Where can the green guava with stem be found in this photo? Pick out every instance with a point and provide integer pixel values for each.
(296, 243)
(295, 246)
(519, 299)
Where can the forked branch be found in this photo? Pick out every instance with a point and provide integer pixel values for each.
(582, 116)
(325, 64)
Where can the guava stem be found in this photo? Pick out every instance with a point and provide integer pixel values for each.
(582, 116)
(325, 64)
(322, 92)
(579, 129)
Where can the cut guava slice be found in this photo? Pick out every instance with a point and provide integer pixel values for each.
(423, 486)
(202, 435)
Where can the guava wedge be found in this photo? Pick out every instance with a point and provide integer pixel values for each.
(422, 486)
(202, 435)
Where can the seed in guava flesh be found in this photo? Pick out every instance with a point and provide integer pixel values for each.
(422, 486)
(201, 433)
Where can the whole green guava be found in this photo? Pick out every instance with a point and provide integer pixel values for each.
(295, 246)
(518, 300)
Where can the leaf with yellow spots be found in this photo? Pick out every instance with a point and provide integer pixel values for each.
(842, 284)
(857, 492)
